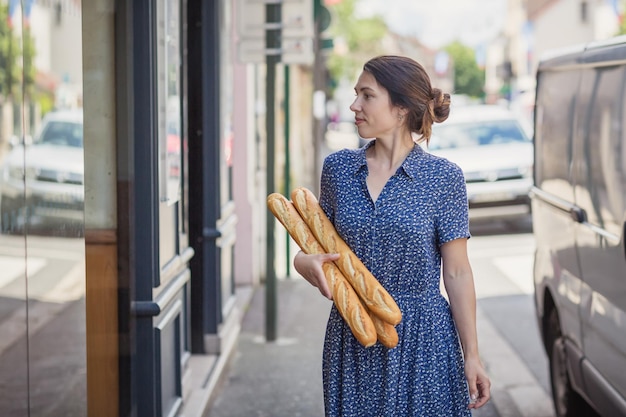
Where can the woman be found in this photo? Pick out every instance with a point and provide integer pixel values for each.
(404, 213)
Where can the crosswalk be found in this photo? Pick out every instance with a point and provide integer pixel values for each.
(40, 286)
(13, 268)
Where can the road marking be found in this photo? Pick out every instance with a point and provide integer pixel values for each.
(69, 288)
(518, 269)
(490, 252)
(13, 268)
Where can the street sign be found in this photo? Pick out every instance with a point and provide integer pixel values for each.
(297, 18)
(292, 51)
(297, 31)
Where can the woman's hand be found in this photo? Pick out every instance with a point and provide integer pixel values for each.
(310, 267)
(478, 381)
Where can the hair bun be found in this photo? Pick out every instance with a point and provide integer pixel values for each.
(441, 105)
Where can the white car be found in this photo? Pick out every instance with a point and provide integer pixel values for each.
(42, 182)
(495, 153)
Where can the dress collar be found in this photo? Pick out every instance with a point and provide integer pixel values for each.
(409, 166)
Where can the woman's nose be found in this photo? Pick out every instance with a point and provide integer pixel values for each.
(354, 105)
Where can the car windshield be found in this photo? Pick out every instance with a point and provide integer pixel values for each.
(62, 133)
(474, 134)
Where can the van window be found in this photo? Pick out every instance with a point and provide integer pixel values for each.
(556, 104)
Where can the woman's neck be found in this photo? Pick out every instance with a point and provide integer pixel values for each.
(391, 154)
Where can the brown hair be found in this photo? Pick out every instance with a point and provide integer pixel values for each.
(409, 87)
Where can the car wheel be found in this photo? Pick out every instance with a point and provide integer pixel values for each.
(4, 217)
(8, 219)
(567, 402)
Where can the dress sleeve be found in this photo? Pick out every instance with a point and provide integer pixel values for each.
(327, 193)
(452, 221)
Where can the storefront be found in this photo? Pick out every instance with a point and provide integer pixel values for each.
(118, 219)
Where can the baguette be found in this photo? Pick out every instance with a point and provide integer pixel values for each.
(387, 334)
(373, 294)
(346, 300)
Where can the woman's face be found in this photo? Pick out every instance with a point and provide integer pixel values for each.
(374, 115)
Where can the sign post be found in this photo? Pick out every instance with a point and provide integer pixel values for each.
(272, 58)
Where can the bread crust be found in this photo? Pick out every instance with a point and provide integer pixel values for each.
(386, 332)
(345, 298)
(372, 293)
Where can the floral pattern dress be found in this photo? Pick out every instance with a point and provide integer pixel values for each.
(398, 238)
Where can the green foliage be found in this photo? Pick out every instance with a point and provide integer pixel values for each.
(356, 40)
(622, 28)
(9, 52)
(46, 102)
(469, 79)
(28, 52)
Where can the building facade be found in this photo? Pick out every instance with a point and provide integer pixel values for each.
(132, 202)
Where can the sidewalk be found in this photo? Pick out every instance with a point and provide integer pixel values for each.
(283, 378)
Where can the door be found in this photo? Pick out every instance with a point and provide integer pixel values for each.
(556, 262)
(600, 176)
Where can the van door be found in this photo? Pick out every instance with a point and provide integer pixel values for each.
(556, 262)
(600, 190)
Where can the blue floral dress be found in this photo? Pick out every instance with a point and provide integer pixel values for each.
(398, 237)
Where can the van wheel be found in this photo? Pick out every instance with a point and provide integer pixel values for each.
(567, 402)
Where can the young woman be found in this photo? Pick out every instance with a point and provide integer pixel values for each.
(404, 213)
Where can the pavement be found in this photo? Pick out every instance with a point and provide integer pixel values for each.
(282, 378)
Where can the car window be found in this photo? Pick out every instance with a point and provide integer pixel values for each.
(62, 133)
(473, 134)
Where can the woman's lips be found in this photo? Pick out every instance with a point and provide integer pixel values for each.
(358, 121)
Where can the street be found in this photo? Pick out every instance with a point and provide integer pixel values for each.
(53, 317)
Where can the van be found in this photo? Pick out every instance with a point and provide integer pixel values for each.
(578, 203)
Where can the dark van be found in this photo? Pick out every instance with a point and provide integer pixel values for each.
(579, 220)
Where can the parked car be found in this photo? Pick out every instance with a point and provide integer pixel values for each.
(494, 151)
(579, 219)
(42, 182)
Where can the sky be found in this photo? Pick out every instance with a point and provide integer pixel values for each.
(437, 23)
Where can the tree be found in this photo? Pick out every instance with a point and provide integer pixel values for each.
(356, 40)
(9, 52)
(469, 79)
(29, 60)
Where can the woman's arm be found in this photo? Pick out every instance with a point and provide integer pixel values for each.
(459, 283)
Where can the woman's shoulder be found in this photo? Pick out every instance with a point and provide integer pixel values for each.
(441, 164)
(344, 157)
(440, 172)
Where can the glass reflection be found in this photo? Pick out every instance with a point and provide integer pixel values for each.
(49, 172)
(13, 302)
(169, 60)
(42, 251)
